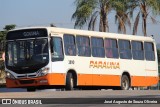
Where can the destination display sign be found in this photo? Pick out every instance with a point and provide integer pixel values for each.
(27, 33)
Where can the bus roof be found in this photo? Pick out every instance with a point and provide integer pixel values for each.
(56, 30)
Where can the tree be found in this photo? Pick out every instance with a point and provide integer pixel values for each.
(3, 35)
(9, 27)
(145, 6)
(89, 11)
(2, 40)
(52, 25)
(2, 48)
(122, 15)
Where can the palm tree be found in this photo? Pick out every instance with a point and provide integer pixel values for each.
(89, 11)
(122, 19)
(145, 6)
(122, 16)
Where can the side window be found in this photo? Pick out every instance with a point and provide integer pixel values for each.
(97, 47)
(149, 51)
(83, 45)
(57, 49)
(125, 49)
(111, 48)
(137, 50)
(69, 45)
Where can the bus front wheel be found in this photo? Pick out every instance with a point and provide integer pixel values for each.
(125, 83)
(69, 81)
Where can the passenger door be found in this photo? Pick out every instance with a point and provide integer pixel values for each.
(57, 65)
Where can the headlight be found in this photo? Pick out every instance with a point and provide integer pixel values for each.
(9, 75)
(42, 72)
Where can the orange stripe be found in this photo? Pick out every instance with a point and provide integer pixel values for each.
(114, 80)
(106, 80)
(85, 80)
(57, 79)
(143, 81)
(98, 80)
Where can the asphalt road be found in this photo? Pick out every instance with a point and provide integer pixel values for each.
(86, 98)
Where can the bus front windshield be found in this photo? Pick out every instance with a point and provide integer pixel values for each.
(27, 54)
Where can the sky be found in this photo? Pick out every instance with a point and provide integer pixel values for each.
(27, 13)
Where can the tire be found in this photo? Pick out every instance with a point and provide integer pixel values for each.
(69, 82)
(125, 83)
(31, 89)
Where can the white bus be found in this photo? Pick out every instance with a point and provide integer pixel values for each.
(49, 57)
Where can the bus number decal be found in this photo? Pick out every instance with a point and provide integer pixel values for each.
(70, 61)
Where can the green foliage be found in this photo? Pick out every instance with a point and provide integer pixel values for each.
(145, 7)
(2, 48)
(91, 11)
(3, 35)
(83, 11)
(2, 39)
(9, 27)
(123, 12)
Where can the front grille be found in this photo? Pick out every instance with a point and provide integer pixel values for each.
(26, 81)
(31, 75)
(24, 71)
(23, 76)
(26, 76)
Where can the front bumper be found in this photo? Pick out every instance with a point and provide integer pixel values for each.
(26, 82)
(49, 79)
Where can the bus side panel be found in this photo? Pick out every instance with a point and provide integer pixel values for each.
(58, 73)
(151, 69)
(98, 80)
(151, 81)
(106, 72)
(82, 67)
(106, 80)
(143, 81)
(85, 79)
(136, 70)
(56, 79)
